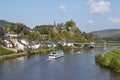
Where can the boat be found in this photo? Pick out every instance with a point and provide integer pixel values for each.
(78, 52)
(56, 54)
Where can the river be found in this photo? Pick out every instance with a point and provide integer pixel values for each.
(73, 66)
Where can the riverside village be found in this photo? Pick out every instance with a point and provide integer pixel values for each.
(59, 39)
(18, 40)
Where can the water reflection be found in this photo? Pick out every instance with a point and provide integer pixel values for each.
(21, 59)
(70, 67)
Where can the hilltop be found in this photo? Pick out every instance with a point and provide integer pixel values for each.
(14, 28)
(111, 34)
(2, 24)
(56, 32)
(63, 32)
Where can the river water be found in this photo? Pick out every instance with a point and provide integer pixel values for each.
(73, 66)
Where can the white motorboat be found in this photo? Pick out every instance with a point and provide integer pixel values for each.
(56, 54)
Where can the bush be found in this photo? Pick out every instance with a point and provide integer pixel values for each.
(29, 51)
(64, 48)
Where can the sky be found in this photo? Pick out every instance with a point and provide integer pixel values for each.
(89, 15)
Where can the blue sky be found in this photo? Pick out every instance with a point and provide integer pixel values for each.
(89, 15)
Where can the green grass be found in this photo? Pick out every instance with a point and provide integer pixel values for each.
(4, 51)
(5, 57)
(111, 59)
(109, 55)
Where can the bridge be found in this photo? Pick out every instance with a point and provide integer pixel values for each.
(97, 45)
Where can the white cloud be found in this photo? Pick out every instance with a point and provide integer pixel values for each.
(90, 21)
(99, 7)
(114, 20)
(62, 8)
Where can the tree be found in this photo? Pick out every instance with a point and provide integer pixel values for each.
(70, 23)
(43, 29)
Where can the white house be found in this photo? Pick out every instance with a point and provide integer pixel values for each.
(49, 45)
(8, 44)
(67, 44)
(34, 46)
(12, 35)
(24, 42)
(52, 45)
(70, 44)
(20, 46)
(64, 43)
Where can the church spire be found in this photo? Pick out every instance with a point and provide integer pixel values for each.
(55, 24)
(55, 27)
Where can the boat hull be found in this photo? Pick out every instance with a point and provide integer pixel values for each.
(56, 54)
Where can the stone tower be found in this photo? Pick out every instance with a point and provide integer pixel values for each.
(55, 27)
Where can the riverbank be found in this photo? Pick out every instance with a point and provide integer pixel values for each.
(10, 56)
(109, 59)
(46, 50)
(4, 51)
(28, 52)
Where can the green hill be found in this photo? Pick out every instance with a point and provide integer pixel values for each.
(2, 24)
(111, 34)
(57, 32)
(66, 32)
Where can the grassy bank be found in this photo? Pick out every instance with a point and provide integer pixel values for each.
(27, 53)
(6, 57)
(109, 59)
(7, 54)
(4, 51)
